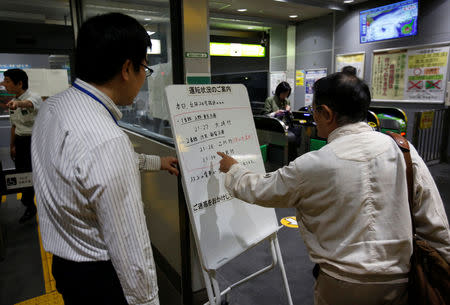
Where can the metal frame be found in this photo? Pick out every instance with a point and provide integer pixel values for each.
(431, 143)
(212, 285)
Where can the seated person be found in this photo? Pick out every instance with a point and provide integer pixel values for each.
(279, 107)
(278, 103)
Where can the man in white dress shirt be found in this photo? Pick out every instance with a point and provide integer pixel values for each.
(22, 112)
(351, 200)
(87, 176)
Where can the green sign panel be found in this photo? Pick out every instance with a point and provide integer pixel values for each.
(236, 49)
(196, 80)
(196, 55)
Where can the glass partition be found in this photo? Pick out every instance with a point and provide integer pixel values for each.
(148, 114)
(47, 74)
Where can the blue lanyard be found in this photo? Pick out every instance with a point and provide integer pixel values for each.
(95, 98)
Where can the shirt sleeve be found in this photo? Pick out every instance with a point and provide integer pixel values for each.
(429, 213)
(36, 100)
(148, 162)
(279, 189)
(113, 188)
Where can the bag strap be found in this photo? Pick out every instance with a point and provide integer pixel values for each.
(404, 147)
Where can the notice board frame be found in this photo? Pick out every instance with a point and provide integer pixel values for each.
(406, 48)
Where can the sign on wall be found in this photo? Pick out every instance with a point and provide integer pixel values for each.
(388, 74)
(353, 59)
(415, 75)
(47, 82)
(275, 79)
(311, 76)
(426, 74)
(300, 77)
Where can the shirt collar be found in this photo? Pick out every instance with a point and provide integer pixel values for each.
(348, 130)
(102, 97)
(23, 95)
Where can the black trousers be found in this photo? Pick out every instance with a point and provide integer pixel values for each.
(87, 283)
(23, 164)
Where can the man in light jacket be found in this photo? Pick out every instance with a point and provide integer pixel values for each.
(351, 200)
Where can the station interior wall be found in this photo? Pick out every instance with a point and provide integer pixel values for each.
(314, 47)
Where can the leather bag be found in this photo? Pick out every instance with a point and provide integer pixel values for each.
(429, 275)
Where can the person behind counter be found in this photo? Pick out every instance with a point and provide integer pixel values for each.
(351, 199)
(86, 174)
(23, 109)
(278, 103)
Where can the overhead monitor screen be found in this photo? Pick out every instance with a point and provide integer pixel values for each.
(388, 22)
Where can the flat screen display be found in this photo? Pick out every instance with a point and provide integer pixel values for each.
(388, 22)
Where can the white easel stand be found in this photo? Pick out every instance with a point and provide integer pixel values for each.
(212, 286)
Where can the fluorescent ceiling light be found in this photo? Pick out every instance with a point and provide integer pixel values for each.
(348, 1)
(293, 16)
(280, 0)
(147, 19)
(242, 10)
(150, 33)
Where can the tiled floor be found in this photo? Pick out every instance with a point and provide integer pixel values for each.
(25, 276)
(51, 296)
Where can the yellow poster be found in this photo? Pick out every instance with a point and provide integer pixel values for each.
(388, 75)
(427, 60)
(299, 78)
(426, 119)
(354, 60)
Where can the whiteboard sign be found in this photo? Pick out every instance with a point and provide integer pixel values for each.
(206, 119)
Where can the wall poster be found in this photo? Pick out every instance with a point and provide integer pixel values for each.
(388, 75)
(426, 74)
(352, 59)
(310, 78)
(416, 75)
(275, 79)
(300, 77)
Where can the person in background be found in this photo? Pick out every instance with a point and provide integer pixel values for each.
(23, 109)
(87, 178)
(278, 106)
(278, 103)
(350, 70)
(351, 199)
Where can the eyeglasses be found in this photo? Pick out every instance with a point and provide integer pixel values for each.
(148, 71)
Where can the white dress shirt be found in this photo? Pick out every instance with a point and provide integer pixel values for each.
(23, 118)
(352, 204)
(88, 191)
